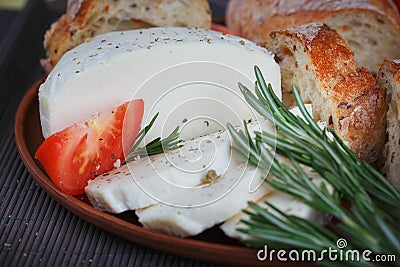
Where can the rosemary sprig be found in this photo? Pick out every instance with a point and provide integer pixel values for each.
(156, 146)
(371, 215)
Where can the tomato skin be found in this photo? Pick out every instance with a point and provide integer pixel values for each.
(90, 148)
(397, 2)
(221, 28)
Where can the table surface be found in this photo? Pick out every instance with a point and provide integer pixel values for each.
(35, 230)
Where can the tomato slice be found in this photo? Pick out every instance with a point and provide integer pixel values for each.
(89, 148)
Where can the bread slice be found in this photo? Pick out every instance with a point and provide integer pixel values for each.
(319, 62)
(85, 19)
(389, 78)
(371, 27)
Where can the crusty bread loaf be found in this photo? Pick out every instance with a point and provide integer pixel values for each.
(319, 62)
(371, 27)
(85, 19)
(389, 78)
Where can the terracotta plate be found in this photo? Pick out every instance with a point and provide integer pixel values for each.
(212, 245)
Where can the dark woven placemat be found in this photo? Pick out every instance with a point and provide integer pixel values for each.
(35, 230)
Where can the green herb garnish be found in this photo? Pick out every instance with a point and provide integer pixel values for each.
(156, 146)
(364, 204)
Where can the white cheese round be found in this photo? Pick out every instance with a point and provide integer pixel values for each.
(185, 74)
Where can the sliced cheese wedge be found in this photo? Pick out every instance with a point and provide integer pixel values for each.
(286, 203)
(164, 177)
(171, 67)
(207, 206)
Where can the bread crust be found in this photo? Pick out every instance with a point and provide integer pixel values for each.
(356, 20)
(256, 19)
(393, 67)
(85, 19)
(389, 78)
(343, 95)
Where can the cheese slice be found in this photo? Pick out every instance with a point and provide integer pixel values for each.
(288, 204)
(206, 206)
(181, 73)
(164, 177)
